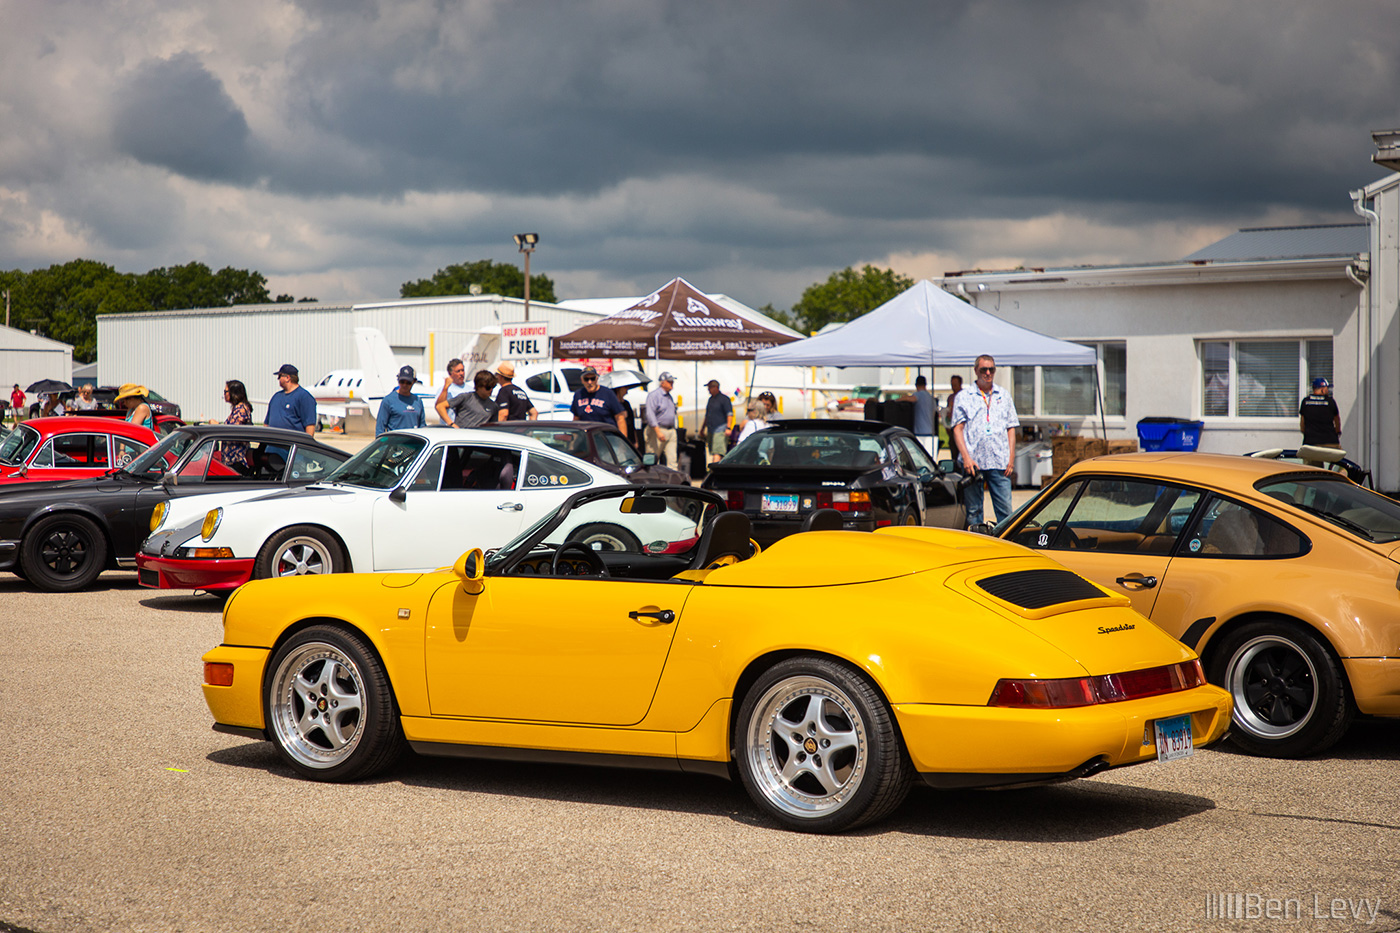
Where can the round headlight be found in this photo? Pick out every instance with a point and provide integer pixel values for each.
(158, 515)
(211, 523)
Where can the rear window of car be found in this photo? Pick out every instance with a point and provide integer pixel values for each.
(815, 449)
(1352, 508)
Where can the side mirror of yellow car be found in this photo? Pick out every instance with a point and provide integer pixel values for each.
(470, 568)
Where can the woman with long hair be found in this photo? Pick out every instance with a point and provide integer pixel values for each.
(240, 412)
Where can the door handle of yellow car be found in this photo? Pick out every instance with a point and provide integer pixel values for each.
(1137, 579)
(664, 616)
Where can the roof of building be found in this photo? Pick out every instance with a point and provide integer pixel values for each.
(1316, 240)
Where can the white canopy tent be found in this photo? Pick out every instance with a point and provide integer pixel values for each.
(926, 326)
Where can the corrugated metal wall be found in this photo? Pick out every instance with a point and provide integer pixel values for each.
(187, 355)
(28, 365)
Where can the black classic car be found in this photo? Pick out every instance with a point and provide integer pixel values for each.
(599, 444)
(61, 535)
(874, 474)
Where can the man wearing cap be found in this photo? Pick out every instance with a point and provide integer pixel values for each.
(293, 408)
(659, 421)
(401, 409)
(595, 402)
(514, 404)
(719, 412)
(1319, 419)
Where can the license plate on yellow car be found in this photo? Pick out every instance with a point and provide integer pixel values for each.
(1174, 738)
(778, 502)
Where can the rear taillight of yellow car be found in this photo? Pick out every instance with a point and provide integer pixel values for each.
(1106, 688)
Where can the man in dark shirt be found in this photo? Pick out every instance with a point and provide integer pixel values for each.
(594, 402)
(719, 411)
(514, 404)
(1319, 419)
(476, 407)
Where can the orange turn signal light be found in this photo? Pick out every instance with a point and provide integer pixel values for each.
(218, 674)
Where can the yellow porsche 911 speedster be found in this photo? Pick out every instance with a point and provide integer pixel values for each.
(639, 626)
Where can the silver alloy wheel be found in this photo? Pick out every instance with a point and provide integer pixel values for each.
(1274, 685)
(317, 707)
(302, 555)
(807, 746)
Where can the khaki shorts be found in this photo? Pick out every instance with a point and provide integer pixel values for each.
(719, 441)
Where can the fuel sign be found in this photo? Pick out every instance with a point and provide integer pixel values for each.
(528, 340)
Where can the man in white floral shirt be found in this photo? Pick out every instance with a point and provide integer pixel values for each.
(984, 431)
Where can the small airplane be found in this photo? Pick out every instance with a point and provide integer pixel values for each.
(549, 384)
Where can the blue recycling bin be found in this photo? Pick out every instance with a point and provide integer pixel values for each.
(1169, 434)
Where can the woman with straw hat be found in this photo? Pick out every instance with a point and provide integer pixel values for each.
(132, 397)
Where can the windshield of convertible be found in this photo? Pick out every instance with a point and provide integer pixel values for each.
(808, 448)
(1356, 510)
(381, 463)
(633, 533)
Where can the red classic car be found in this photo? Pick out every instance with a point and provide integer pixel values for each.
(69, 447)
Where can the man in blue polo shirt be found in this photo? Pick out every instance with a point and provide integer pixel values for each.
(401, 409)
(293, 408)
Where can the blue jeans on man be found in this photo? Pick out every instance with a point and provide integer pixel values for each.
(995, 482)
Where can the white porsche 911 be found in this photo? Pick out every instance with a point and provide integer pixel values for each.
(409, 501)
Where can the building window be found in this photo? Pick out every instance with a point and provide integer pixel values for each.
(1068, 391)
(1260, 378)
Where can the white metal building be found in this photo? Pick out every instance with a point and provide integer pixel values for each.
(187, 355)
(26, 358)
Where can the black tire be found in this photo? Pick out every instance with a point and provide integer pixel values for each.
(790, 719)
(611, 537)
(1291, 694)
(330, 708)
(298, 550)
(62, 553)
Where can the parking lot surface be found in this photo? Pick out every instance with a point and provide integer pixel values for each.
(124, 811)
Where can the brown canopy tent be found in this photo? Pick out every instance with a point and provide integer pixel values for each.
(677, 322)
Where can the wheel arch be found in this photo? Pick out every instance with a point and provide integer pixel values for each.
(318, 526)
(1209, 647)
(79, 509)
(756, 668)
(302, 625)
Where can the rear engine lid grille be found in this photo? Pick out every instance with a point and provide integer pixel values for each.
(1036, 589)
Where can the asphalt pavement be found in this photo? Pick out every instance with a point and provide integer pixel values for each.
(124, 811)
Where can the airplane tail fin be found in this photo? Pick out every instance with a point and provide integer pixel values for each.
(376, 362)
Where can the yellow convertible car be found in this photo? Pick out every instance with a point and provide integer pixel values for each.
(828, 673)
(1282, 576)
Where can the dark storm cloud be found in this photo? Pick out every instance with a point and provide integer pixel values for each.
(1187, 105)
(175, 114)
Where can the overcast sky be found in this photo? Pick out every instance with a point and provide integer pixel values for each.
(342, 147)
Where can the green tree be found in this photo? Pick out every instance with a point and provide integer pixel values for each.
(844, 296)
(495, 278)
(195, 285)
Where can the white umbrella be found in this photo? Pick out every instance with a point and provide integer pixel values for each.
(625, 378)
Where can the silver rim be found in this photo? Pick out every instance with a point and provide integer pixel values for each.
(301, 555)
(318, 709)
(807, 747)
(1274, 684)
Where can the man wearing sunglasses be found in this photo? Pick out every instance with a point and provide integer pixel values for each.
(984, 431)
(594, 402)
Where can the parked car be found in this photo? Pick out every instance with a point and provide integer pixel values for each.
(874, 474)
(830, 672)
(61, 535)
(1282, 576)
(400, 504)
(600, 444)
(69, 447)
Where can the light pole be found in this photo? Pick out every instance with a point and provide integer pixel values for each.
(526, 242)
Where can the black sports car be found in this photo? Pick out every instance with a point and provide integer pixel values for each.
(599, 444)
(873, 474)
(61, 535)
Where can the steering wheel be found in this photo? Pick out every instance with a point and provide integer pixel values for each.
(1053, 528)
(595, 563)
